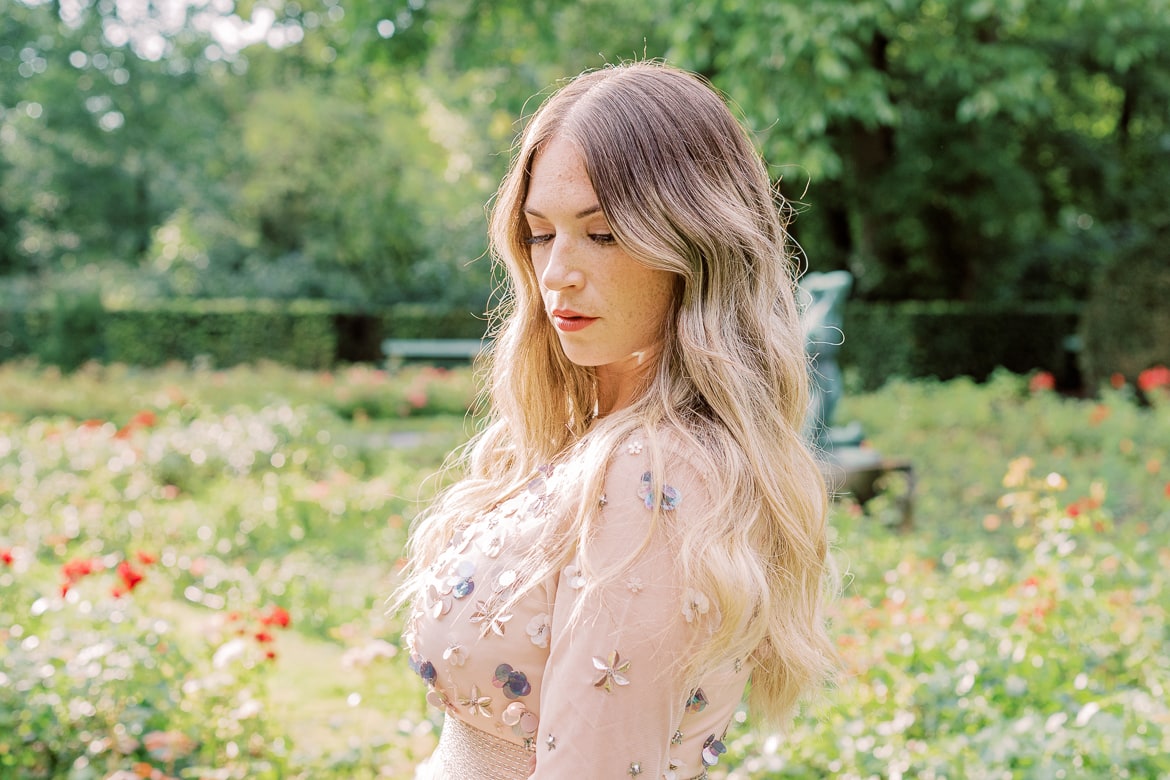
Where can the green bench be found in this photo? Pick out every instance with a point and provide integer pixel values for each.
(447, 350)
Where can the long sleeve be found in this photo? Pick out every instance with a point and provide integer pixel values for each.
(612, 699)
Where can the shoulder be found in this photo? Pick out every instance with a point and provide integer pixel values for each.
(657, 472)
(678, 453)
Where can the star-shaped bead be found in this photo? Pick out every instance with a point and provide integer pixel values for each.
(635, 769)
(551, 742)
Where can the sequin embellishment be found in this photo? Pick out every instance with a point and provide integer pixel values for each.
(437, 699)
(523, 722)
(712, 749)
(634, 448)
(698, 701)
(551, 742)
(669, 500)
(613, 671)
(677, 738)
(635, 769)
(515, 683)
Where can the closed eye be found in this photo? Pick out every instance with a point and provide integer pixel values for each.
(543, 238)
(605, 239)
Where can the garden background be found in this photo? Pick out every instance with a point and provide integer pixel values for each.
(194, 553)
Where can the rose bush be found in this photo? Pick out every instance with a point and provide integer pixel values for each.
(193, 566)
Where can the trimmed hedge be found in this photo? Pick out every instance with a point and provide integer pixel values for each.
(945, 339)
(304, 334)
(1126, 327)
(939, 339)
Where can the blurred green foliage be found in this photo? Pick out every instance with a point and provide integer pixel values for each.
(978, 150)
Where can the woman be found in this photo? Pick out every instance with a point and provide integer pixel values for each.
(640, 527)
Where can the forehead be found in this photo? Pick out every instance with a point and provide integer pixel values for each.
(558, 178)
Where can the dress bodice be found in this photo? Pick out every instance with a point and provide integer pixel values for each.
(583, 678)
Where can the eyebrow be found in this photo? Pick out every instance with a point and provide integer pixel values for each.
(589, 212)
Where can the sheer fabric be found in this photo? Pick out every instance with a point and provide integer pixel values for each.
(589, 689)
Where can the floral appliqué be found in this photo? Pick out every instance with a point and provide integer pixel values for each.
(668, 500)
(613, 671)
(695, 605)
(476, 704)
(491, 614)
(438, 601)
(635, 584)
(455, 655)
(574, 576)
(538, 630)
(634, 448)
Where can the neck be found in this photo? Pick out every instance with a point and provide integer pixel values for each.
(618, 384)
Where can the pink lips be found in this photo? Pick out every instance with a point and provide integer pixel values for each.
(568, 321)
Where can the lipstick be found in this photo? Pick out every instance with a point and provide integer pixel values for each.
(569, 321)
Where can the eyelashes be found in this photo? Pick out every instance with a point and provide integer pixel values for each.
(602, 239)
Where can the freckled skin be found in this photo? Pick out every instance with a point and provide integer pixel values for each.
(581, 269)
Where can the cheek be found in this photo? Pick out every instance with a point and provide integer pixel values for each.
(654, 299)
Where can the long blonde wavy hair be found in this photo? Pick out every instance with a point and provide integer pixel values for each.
(684, 191)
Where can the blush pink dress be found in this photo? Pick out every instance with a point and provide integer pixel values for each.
(546, 690)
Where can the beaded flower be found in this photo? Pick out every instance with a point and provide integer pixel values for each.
(476, 704)
(490, 613)
(538, 629)
(695, 605)
(613, 671)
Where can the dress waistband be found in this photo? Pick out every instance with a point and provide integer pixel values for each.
(467, 753)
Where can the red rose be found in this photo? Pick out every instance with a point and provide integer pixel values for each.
(276, 616)
(130, 576)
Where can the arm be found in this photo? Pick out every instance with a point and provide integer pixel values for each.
(612, 697)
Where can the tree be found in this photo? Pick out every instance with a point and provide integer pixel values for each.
(951, 148)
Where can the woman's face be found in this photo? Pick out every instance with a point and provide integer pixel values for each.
(609, 310)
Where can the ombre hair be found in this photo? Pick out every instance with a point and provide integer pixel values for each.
(684, 191)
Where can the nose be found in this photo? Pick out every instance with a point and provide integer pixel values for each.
(560, 268)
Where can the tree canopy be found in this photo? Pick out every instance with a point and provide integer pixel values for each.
(985, 150)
